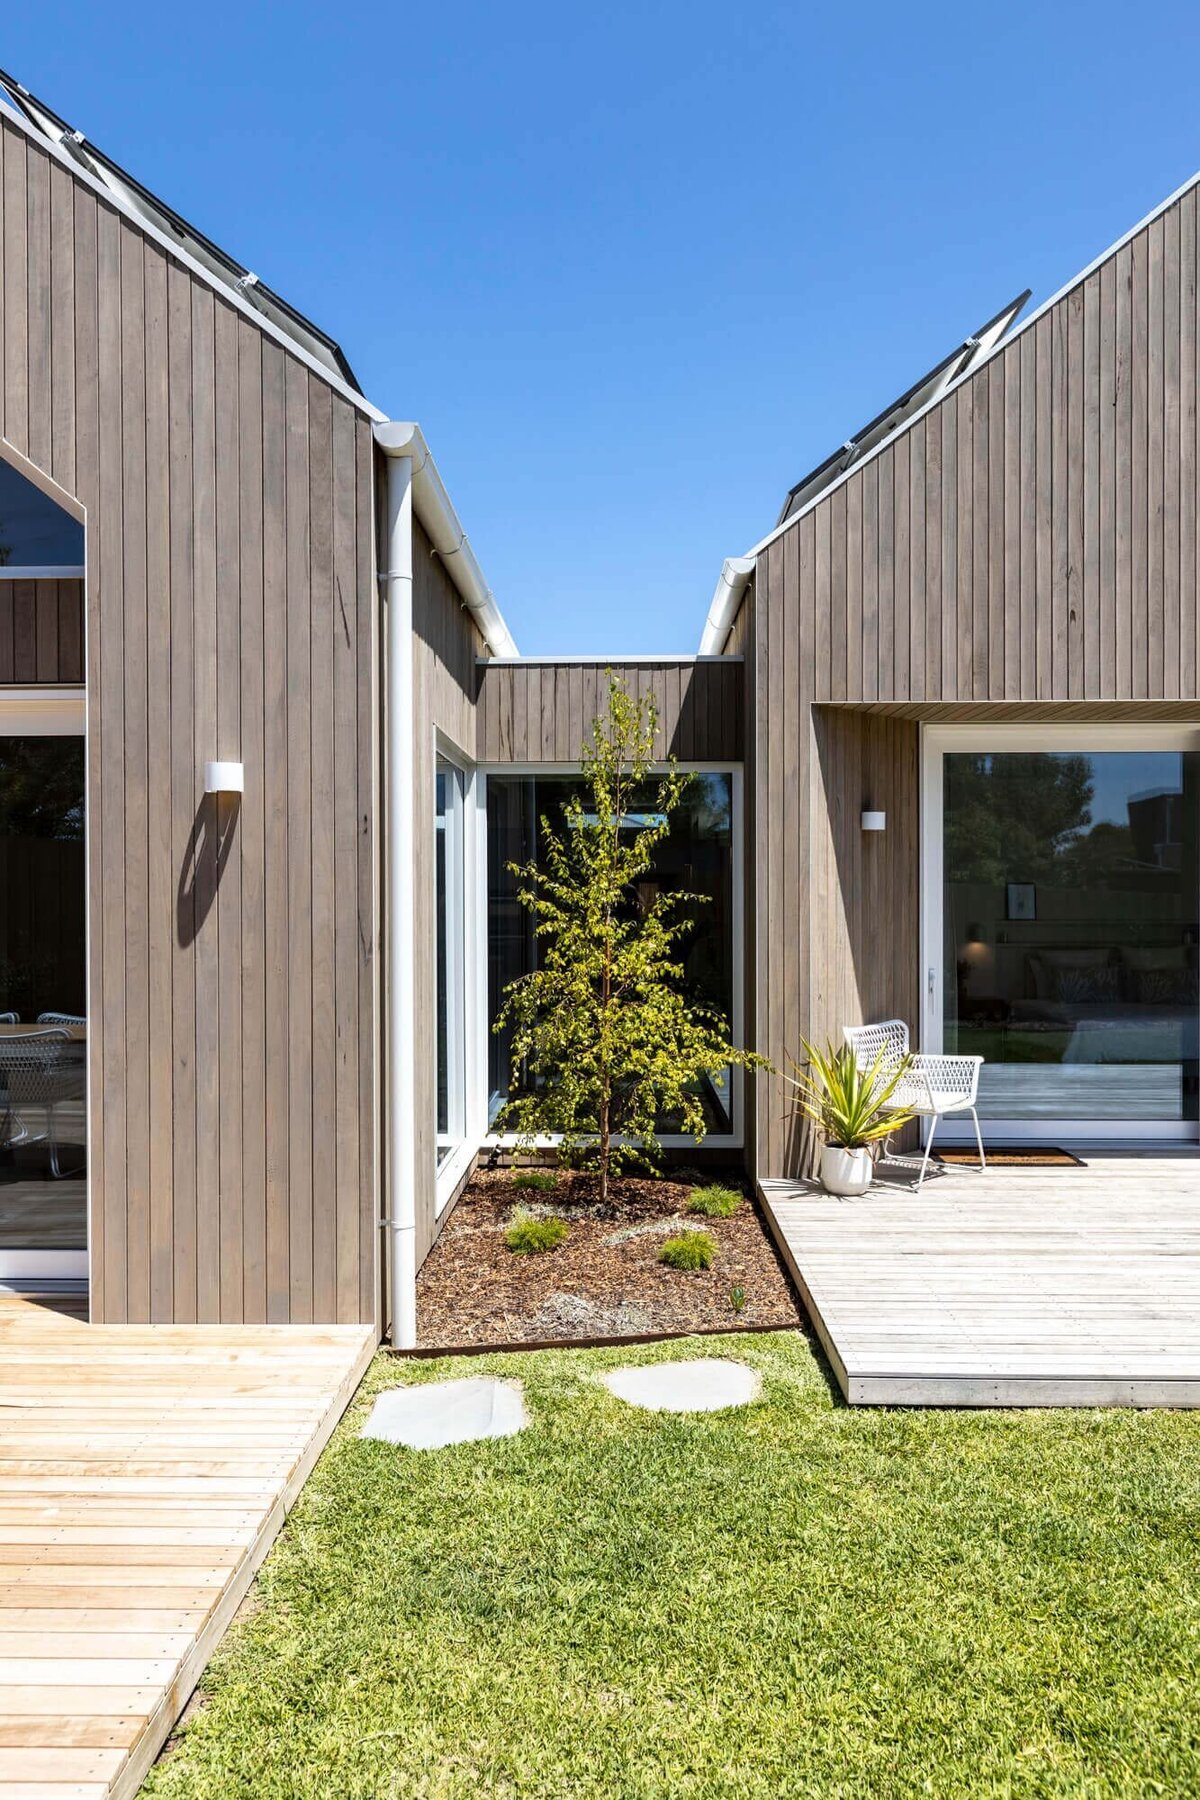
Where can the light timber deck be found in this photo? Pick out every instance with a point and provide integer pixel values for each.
(144, 1471)
(1017, 1287)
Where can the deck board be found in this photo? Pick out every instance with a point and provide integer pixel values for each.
(1015, 1287)
(144, 1472)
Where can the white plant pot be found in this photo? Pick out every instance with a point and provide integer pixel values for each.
(845, 1171)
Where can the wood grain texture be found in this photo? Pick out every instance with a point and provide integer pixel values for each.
(143, 1477)
(1026, 550)
(543, 712)
(41, 632)
(1014, 1287)
(230, 612)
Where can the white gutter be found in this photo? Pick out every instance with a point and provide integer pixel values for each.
(400, 1180)
(436, 513)
(727, 597)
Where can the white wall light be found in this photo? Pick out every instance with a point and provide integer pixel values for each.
(224, 778)
(874, 821)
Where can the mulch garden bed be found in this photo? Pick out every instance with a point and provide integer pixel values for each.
(605, 1280)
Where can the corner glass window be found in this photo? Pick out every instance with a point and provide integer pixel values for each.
(696, 858)
(450, 959)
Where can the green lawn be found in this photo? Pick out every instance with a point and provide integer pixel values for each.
(793, 1599)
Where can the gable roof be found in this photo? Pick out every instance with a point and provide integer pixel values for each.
(735, 571)
(930, 387)
(147, 209)
(273, 315)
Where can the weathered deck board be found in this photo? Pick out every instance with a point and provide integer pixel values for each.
(1017, 1287)
(144, 1473)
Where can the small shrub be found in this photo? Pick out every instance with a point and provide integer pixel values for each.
(737, 1298)
(694, 1250)
(541, 1181)
(533, 1237)
(715, 1202)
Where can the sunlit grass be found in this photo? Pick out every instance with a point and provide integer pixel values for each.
(790, 1599)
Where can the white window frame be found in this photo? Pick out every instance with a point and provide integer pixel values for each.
(997, 737)
(43, 572)
(735, 1138)
(54, 712)
(450, 1172)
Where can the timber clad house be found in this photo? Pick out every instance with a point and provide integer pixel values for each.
(267, 749)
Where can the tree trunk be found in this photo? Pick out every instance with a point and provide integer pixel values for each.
(604, 1151)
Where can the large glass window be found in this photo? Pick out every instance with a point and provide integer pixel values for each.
(451, 944)
(696, 858)
(43, 984)
(1070, 931)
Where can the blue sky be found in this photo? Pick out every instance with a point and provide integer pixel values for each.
(635, 268)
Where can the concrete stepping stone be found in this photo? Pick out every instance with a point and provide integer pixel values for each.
(704, 1385)
(438, 1413)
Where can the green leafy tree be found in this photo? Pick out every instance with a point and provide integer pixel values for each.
(1015, 816)
(603, 1028)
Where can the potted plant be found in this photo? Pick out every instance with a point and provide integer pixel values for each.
(851, 1109)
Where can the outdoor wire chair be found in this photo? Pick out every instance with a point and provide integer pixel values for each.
(931, 1086)
(39, 1069)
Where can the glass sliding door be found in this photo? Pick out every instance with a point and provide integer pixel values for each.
(43, 991)
(1068, 898)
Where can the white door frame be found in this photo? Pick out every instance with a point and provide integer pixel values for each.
(992, 735)
(52, 712)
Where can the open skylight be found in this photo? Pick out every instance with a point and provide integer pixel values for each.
(139, 203)
(964, 357)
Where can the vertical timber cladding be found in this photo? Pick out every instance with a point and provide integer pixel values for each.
(1030, 540)
(230, 613)
(41, 631)
(531, 712)
(446, 648)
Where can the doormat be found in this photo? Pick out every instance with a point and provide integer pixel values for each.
(1014, 1156)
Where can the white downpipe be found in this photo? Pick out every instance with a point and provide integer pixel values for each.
(436, 513)
(400, 1214)
(727, 596)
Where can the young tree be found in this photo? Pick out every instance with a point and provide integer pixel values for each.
(603, 1025)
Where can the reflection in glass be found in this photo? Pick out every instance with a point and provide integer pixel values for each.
(1070, 923)
(43, 971)
(35, 532)
(695, 858)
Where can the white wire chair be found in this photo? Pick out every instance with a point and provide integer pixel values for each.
(931, 1086)
(39, 1068)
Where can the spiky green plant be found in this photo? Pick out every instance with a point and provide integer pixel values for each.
(850, 1107)
(693, 1251)
(527, 1236)
(539, 1181)
(714, 1202)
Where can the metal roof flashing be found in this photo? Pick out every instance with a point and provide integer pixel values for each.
(716, 628)
(237, 284)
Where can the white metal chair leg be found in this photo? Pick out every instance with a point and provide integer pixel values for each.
(928, 1147)
(979, 1139)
